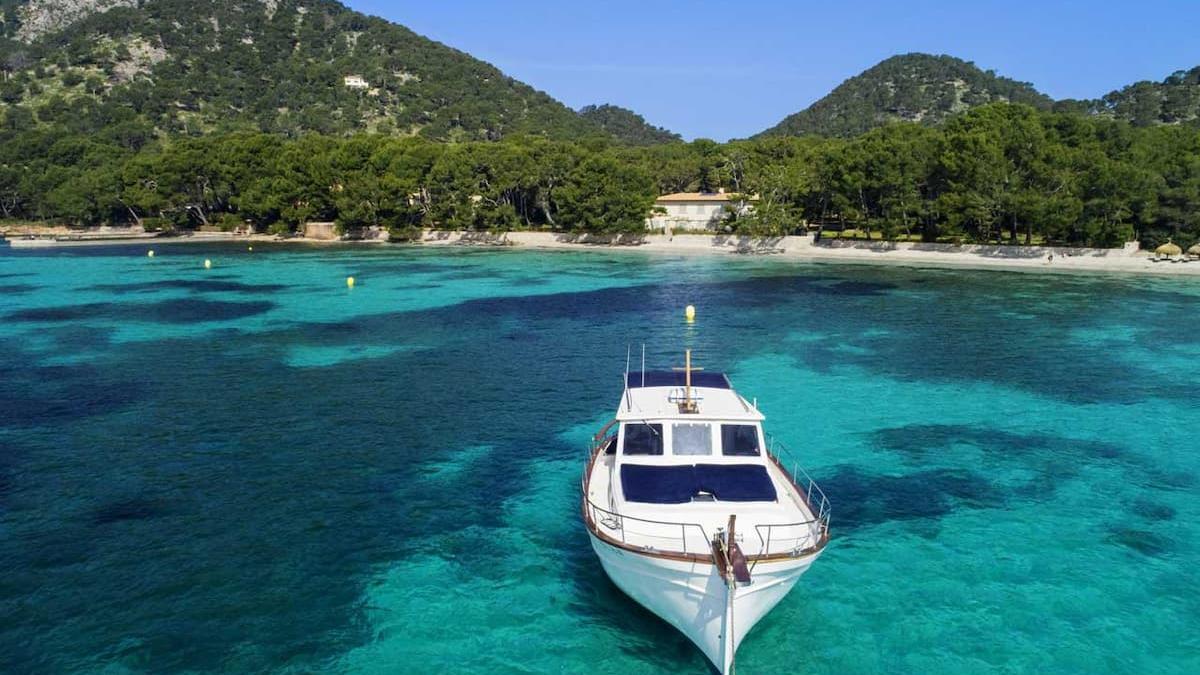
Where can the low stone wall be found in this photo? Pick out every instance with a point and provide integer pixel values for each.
(320, 231)
(465, 238)
(42, 230)
(982, 250)
(681, 242)
(803, 247)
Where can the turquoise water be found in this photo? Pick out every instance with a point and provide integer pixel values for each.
(255, 469)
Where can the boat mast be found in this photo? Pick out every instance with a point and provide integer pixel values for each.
(687, 405)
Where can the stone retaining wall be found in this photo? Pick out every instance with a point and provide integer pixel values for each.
(983, 250)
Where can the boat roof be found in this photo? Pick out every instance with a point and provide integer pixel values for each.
(657, 397)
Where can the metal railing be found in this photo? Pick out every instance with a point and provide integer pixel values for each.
(795, 538)
(657, 536)
(788, 539)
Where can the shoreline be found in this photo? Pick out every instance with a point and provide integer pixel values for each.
(137, 240)
(802, 249)
(798, 249)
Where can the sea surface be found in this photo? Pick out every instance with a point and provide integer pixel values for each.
(255, 469)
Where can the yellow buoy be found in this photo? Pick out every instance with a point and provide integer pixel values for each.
(150, 253)
(349, 282)
(689, 313)
(207, 264)
(249, 248)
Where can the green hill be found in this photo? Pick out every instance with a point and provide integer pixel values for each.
(910, 87)
(928, 89)
(627, 126)
(280, 66)
(1175, 100)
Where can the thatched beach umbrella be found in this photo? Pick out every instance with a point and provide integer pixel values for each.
(1194, 250)
(1168, 249)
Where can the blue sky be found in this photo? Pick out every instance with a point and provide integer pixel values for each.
(728, 70)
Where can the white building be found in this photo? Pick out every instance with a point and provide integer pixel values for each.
(690, 211)
(356, 82)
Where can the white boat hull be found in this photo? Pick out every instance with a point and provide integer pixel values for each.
(693, 596)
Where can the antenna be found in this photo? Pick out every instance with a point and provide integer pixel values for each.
(643, 364)
(687, 376)
(625, 384)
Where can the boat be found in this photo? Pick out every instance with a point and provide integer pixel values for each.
(694, 512)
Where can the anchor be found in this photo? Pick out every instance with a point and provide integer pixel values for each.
(731, 565)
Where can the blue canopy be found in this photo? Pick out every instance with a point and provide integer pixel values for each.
(675, 378)
(678, 484)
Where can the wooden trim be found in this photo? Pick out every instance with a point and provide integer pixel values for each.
(600, 434)
(799, 490)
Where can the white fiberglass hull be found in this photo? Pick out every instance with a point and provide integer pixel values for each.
(693, 597)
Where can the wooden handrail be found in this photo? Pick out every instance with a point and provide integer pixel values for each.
(603, 431)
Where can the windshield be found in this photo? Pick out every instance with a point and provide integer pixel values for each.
(643, 439)
(691, 439)
(739, 440)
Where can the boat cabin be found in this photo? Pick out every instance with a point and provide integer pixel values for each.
(688, 453)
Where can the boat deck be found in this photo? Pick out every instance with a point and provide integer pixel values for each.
(786, 526)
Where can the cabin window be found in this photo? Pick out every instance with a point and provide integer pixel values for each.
(643, 439)
(691, 439)
(739, 440)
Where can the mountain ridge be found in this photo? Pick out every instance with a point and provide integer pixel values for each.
(1174, 100)
(626, 125)
(301, 66)
(286, 66)
(928, 89)
(913, 87)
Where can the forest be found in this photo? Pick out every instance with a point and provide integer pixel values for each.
(998, 173)
(191, 68)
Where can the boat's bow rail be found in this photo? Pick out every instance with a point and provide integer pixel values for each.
(677, 540)
(796, 538)
(690, 541)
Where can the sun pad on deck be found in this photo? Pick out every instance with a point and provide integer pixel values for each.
(675, 378)
(658, 484)
(736, 482)
(678, 484)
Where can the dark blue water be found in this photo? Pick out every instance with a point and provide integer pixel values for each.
(255, 469)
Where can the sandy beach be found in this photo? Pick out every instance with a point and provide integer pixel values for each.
(1042, 259)
(134, 240)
